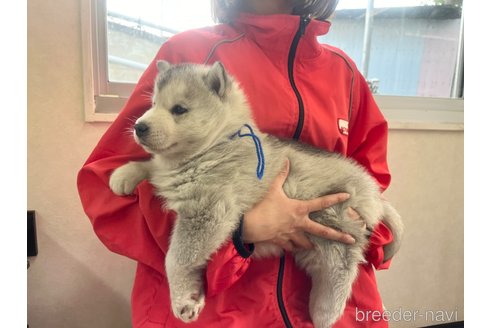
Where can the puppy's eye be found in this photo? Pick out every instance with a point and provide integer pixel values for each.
(178, 110)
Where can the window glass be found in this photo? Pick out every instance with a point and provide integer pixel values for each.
(412, 48)
(137, 29)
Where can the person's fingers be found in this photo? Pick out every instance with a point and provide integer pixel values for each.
(307, 206)
(279, 180)
(300, 240)
(289, 247)
(285, 244)
(354, 215)
(326, 232)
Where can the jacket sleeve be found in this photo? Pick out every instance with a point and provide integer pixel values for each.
(137, 226)
(368, 138)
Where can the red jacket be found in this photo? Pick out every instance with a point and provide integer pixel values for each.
(297, 88)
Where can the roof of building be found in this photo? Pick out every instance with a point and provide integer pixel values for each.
(418, 12)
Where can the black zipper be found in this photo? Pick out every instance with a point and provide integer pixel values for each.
(280, 299)
(292, 55)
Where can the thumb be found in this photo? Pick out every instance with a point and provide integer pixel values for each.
(279, 180)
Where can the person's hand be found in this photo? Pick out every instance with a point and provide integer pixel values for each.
(284, 221)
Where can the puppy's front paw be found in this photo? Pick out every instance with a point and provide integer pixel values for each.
(125, 178)
(188, 307)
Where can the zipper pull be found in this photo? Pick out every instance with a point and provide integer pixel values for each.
(304, 22)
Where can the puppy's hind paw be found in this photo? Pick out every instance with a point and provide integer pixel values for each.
(187, 309)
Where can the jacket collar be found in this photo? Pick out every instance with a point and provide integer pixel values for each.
(276, 32)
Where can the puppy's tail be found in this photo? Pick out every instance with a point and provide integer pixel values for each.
(393, 220)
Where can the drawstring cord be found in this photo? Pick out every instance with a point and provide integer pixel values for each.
(260, 168)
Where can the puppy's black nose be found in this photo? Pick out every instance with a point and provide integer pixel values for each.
(141, 129)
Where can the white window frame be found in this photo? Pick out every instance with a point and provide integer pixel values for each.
(104, 99)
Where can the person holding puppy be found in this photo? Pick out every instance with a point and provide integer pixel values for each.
(297, 88)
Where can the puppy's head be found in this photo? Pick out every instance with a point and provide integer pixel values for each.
(193, 107)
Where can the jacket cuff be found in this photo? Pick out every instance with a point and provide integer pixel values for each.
(245, 250)
(380, 237)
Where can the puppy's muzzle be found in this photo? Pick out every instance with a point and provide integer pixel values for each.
(141, 130)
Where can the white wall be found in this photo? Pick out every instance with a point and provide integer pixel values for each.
(427, 189)
(75, 282)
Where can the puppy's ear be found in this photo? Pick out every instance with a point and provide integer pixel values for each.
(163, 65)
(217, 79)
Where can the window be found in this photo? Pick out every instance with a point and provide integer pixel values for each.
(410, 51)
(135, 32)
(124, 37)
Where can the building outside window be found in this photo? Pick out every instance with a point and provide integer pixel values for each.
(404, 48)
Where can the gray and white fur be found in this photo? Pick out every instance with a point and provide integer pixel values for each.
(209, 179)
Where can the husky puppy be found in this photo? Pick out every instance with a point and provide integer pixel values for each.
(211, 164)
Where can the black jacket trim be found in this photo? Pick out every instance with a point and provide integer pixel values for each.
(245, 250)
